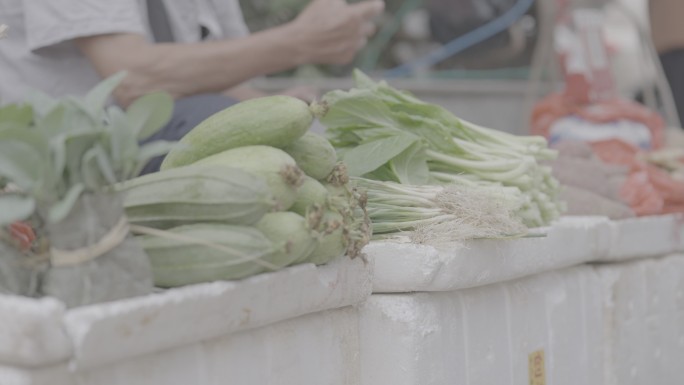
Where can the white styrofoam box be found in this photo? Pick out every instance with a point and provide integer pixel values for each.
(644, 321)
(105, 333)
(645, 237)
(486, 335)
(320, 348)
(404, 267)
(31, 332)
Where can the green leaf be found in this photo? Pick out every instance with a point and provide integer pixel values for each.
(42, 103)
(123, 143)
(29, 137)
(52, 122)
(80, 115)
(90, 170)
(76, 147)
(392, 95)
(151, 150)
(411, 166)
(356, 108)
(436, 134)
(384, 173)
(118, 137)
(97, 98)
(104, 165)
(369, 156)
(150, 113)
(361, 80)
(59, 155)
(61, 209)
(22, 164)
(14, 207)
(370, 134)
(16, 116)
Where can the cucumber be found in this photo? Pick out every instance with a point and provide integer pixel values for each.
(196, 194)
(178, 262)
(272, 121)
(310, 193)
(334, 239)
(314, 155)
(291, 234)
(278, 169)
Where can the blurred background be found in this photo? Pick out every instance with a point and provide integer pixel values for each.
(473, 56)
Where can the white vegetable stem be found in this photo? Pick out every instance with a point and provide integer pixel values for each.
(443, 213)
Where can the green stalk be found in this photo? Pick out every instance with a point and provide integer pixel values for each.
(470, 165)
(381, 227)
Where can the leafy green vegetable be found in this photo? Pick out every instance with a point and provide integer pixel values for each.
(369, 156)
(150, 112)
(411, 166)
(391, 135)
(15, 116)
(54, 150)
(14, 207)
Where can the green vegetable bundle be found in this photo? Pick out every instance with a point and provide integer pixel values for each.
(247, 191)
(60, 156)
(433, 214)
(388, 135)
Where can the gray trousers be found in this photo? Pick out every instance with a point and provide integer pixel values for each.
(673, 64)
(187, 114)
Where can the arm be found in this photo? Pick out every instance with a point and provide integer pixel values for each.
(187, 69)
(666, 25)
(328, 31)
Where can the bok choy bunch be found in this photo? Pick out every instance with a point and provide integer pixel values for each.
(389, 135)
(441, 213)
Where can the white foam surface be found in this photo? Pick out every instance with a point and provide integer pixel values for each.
(486, 335)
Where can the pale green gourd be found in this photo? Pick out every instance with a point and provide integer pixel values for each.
(272, 121)
(314, 155)
(277, 168)
(196, 194)
(178, 262)
(310, 193)
(292, 235)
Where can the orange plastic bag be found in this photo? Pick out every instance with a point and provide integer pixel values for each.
(641, 195)
(648, 189)
(559, 105)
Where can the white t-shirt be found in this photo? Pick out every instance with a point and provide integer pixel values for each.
(39, 54)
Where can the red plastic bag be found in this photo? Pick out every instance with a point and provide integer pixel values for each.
(648, 189)
(560, 105)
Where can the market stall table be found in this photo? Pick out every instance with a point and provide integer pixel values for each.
(293, 326)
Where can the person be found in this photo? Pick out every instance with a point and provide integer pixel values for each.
(667, 32)
(199, 51)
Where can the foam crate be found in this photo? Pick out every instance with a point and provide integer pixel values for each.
(405, 267)
(645, 237)
(41, 341)
(494, 334)
(319, 348)
(644, 321)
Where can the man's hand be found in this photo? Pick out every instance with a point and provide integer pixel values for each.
(332, 31)
(326, 32)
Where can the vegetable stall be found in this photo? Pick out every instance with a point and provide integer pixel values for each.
(258, 235)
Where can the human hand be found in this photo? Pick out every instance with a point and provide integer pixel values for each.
(332, 31)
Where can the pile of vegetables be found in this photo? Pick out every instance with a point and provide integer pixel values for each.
(248, 190)
(440, 214)
(61, 227)
(386, 135)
